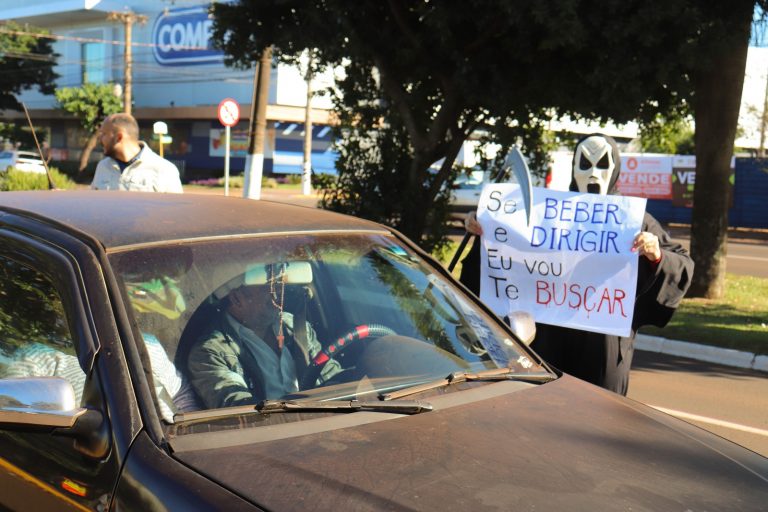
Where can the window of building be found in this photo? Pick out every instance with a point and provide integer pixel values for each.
(93, 59)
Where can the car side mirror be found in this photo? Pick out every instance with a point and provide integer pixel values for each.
(523, 325)
(48, 404)
(40, 402)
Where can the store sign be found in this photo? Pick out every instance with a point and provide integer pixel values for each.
(648, 176)
(183, 37)
(238, 145)
(684, 180)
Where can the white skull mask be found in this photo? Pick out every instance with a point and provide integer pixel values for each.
(593, 165)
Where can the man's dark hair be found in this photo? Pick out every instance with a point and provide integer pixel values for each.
(127, 123)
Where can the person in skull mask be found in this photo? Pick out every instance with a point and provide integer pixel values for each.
(664, 275)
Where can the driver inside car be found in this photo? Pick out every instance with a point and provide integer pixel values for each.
(253, 350)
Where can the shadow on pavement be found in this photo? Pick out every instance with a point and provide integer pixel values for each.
(650, 362)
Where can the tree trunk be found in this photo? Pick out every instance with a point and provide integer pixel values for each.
(86, 154)
(717, 100)
(412, 220)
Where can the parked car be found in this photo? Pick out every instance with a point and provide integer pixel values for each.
(466, 192)
(26, 161)
(439, 405)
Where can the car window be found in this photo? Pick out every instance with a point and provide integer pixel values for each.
(473, 180)
(367, 303)
(35, 339)
(29, 155)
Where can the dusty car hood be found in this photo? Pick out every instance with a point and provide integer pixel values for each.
(565, 445)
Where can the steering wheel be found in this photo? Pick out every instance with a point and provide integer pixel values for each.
(317, 363)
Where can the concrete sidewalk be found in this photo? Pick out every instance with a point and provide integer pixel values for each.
(708, 353)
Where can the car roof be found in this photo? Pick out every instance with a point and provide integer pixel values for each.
(120, 219)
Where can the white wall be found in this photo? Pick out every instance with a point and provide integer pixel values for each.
(753, 98)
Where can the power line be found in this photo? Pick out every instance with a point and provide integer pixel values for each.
(93, 40)
(145, 67)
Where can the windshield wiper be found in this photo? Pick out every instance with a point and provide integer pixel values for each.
(458, 377)
(269, 406)
(401, 406)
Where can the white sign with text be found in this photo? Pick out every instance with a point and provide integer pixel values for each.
(572, 267)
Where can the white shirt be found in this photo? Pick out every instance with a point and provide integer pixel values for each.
(148, 173)
(171, 388)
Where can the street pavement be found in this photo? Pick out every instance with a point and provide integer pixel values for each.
(747, 249)
(727, 401)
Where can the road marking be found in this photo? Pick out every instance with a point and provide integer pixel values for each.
(751, 258)
(711, 421)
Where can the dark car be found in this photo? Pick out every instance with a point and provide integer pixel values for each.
(107, 299)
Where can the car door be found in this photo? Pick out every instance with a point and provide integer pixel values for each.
(48, 330)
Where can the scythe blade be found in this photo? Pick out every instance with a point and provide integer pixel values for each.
(523, 174)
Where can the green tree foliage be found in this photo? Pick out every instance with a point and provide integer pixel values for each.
(26, 62)
(30, 311)
(448, 69)
(671, 134)
(90, 104)
(21, 134)
(438, 71)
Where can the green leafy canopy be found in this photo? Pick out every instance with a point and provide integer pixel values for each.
(26, 62)
(90, 103)
(421, 77)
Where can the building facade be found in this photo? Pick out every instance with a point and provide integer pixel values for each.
(178, 78)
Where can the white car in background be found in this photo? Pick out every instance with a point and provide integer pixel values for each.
(467, 188)
(466, 192)
(26, 161)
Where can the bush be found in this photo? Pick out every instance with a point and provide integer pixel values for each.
(323, 181)
(234, 181)
(207, 182)
(13, 179)
(268, 183)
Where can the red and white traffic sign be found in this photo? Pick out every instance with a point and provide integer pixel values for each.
(229, 112)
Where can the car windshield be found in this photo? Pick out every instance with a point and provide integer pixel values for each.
(360, 315)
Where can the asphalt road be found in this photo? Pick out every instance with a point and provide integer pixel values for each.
(747, 250)
(730, 402)
(748, 259)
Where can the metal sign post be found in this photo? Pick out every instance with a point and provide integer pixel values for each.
(161, 130)
(229, 115)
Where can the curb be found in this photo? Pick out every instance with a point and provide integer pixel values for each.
(708, 353)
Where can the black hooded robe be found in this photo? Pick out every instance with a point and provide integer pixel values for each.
(603, 359)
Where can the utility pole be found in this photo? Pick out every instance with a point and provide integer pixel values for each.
(306, 176)
(127, 19)
(254, 161)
